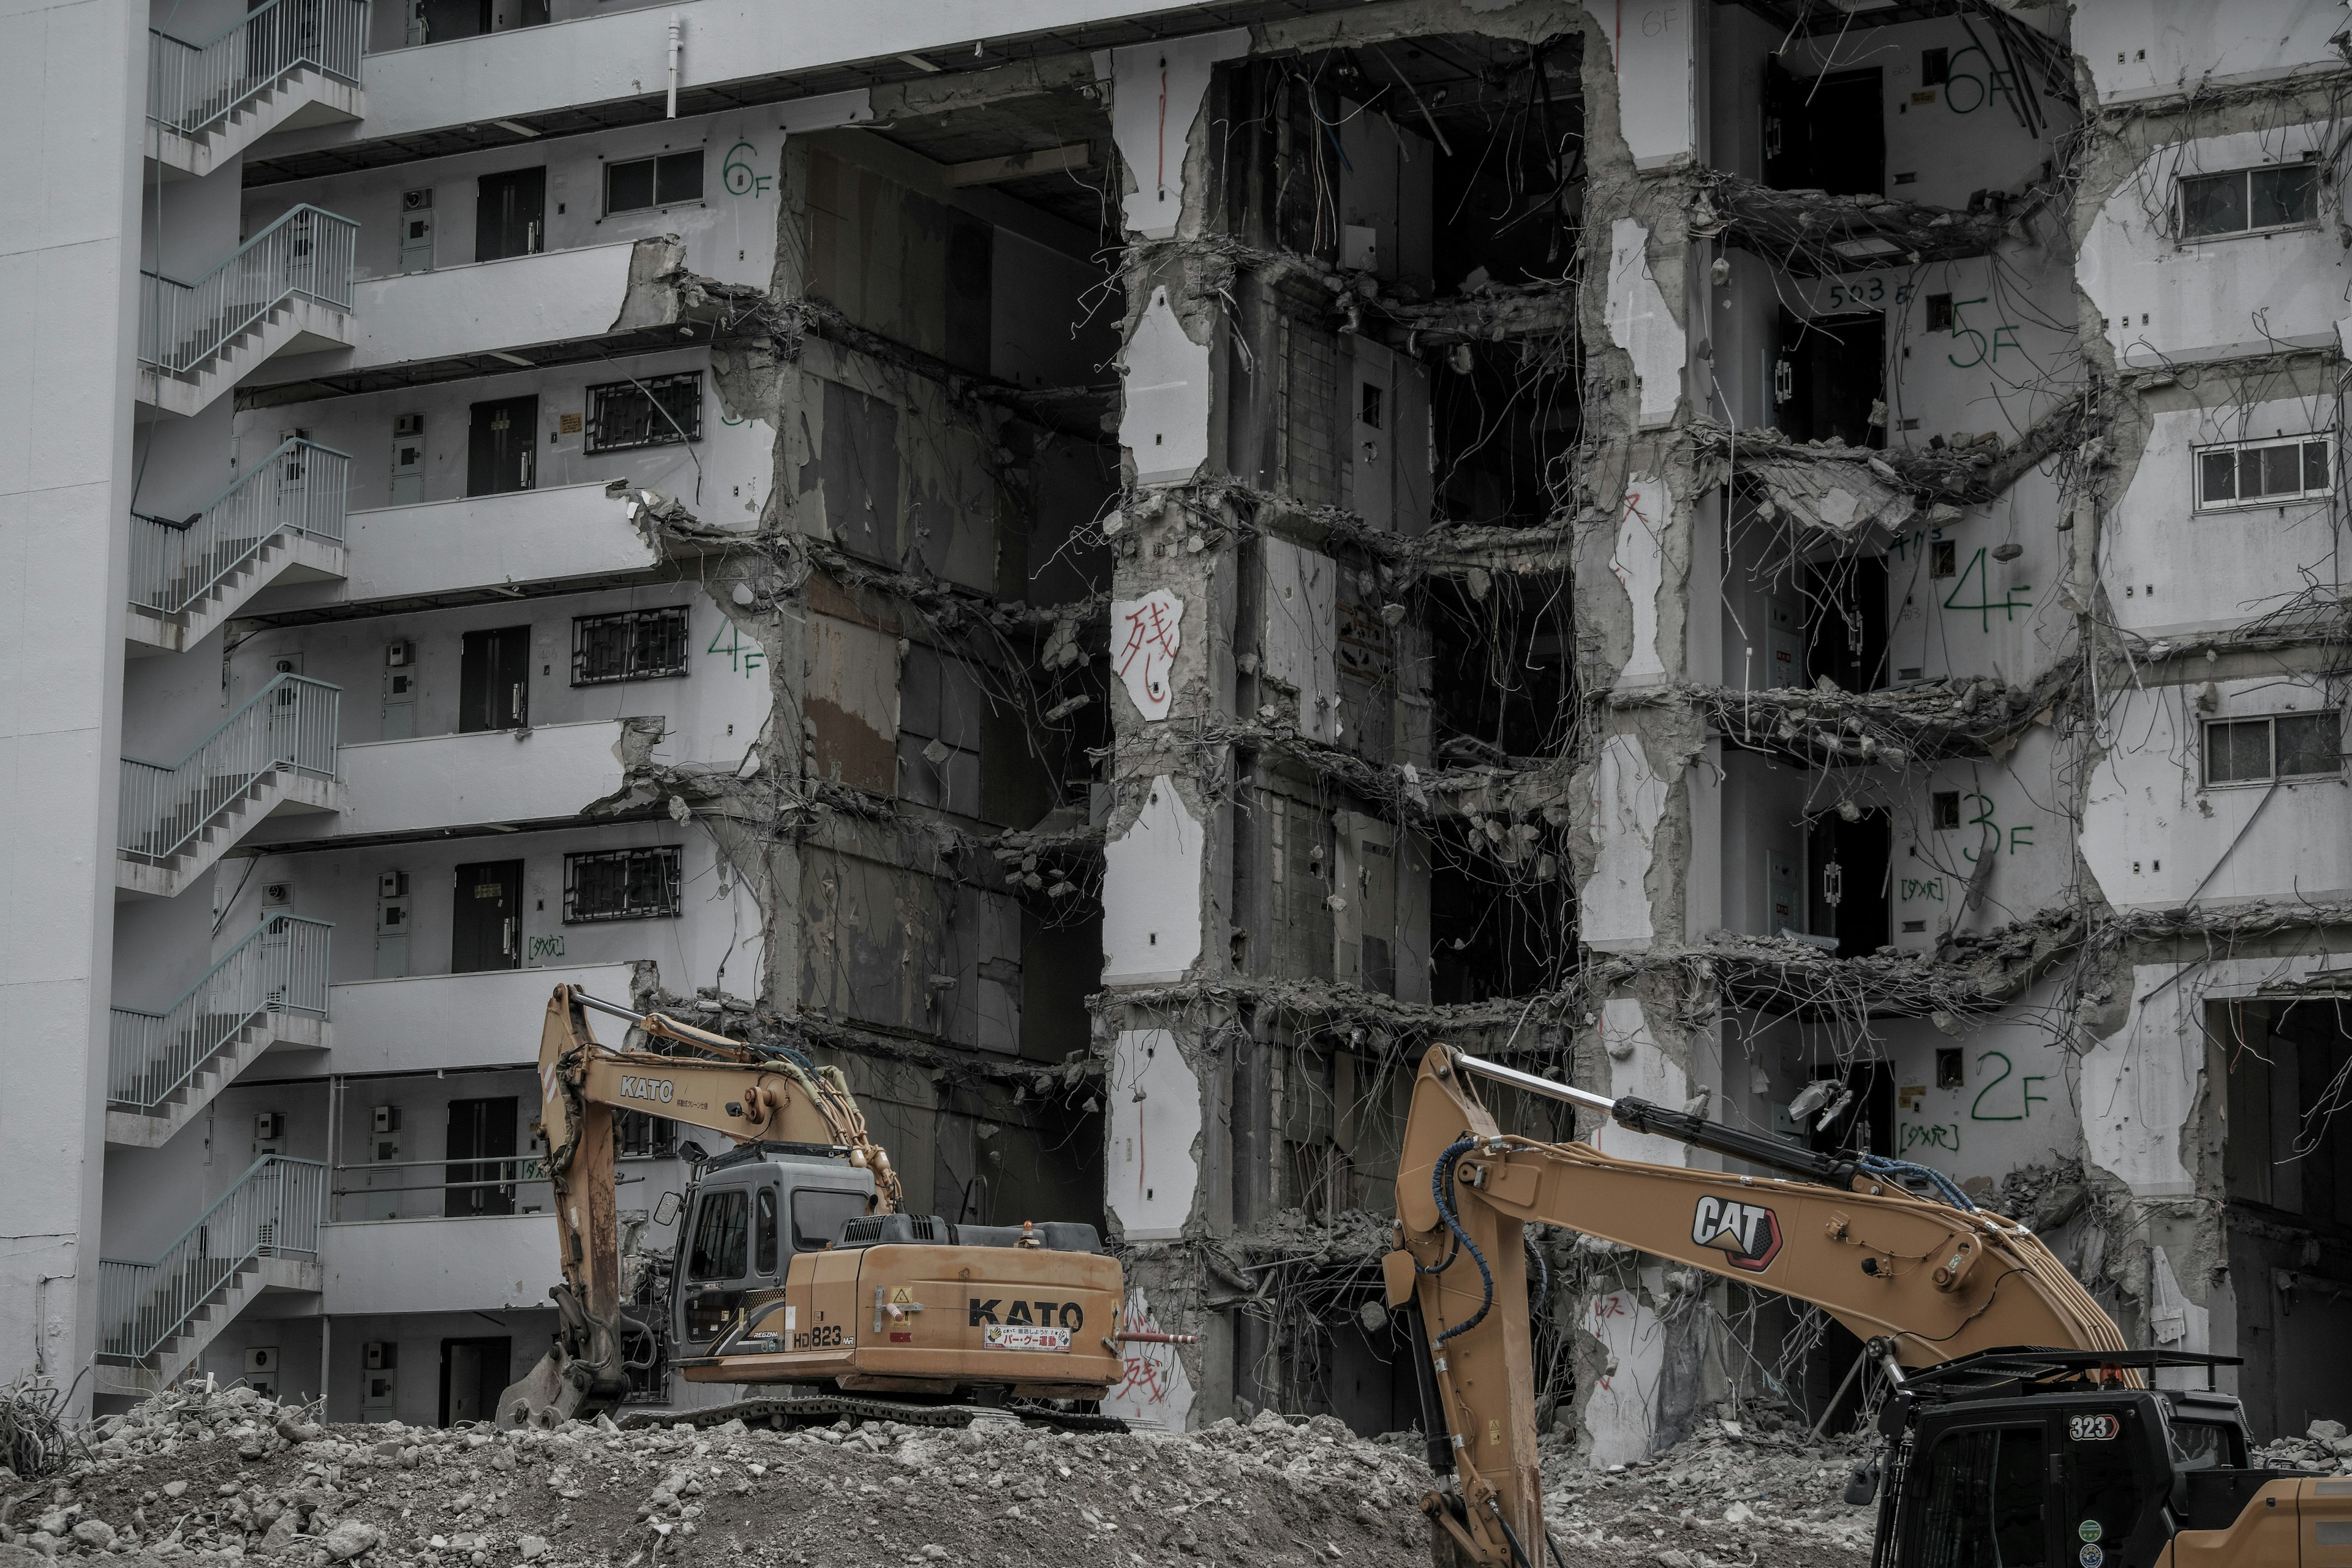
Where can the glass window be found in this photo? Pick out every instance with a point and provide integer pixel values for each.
(2217, 477)
(628, 644)
(1981, 1501)
(2255, 473)
(2238, 753)
(819, 1214)
(644, 183)
(650, 411)
(642, 1135)
(2202, 1445)
(621, 885)
(2245, 200)
(764, 1229)
(2307, 743)
(718, 1237)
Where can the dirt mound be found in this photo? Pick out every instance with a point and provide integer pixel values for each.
(202, 1479)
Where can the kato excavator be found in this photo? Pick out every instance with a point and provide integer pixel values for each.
(2021, 1430)
(795, 1266)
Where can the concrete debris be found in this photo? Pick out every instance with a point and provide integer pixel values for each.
(997, 1491)
(1843, 499)
(1811, 231)
(2323, 1449)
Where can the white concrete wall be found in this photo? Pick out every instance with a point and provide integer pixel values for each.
(73, 88)
(544, 773)
(2142, 48)
(436, 1022)
(515, 303)
(482, 1263)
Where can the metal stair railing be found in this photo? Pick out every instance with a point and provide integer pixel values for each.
(301, 487)
(307, 251)
(272, 1211)
(191, 84)
(288, 724)
(279, 967)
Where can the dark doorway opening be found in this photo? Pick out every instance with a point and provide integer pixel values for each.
(474, 1372)
(1845, 625)
(499, 455)
(486, 926)
(1826, 132)
(1830, 378)
(1847, 866)
(494, 681)
(510, 215)
(480, 1152)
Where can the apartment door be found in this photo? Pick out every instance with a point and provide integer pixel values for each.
(474, 1372)
(510, 215)
(1825, 133)
(1831, 371)
(481, 1148)
(1845, 622)
(1849, 868)
(485, 928)
(494, 681)
(499, 458)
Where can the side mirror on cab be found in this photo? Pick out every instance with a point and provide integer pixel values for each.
(665, 1212)
(1862, 1486)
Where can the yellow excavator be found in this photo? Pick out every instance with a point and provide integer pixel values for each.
(2021, 1431)
(796, 1266)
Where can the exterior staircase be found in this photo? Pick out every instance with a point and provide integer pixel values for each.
(283, 65)
(288, 288)
(275, 752)
(286, 515)
(270, 989)
(262, 1234)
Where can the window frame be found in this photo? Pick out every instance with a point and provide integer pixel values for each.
(592, 442)
(2180, 183)
(678, 614)
(699, 153)
(707, 1214)
(2271, 776)
(675, 881)
(2199, 452)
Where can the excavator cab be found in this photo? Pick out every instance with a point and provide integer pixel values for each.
(749, 1212)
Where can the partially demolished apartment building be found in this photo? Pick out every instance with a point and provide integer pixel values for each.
(1119, 579)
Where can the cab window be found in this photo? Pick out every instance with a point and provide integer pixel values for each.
(764, 1230)
(718, 1252)
(818, 1216)
(1980, 1501)
(2204, 1445)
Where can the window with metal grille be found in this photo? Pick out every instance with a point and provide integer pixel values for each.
(642, 183)
(620, 885)
(2276, 746)
(2265, 473)
(628, 644)
(642, 1135)
(2248, 201)
(651, 411)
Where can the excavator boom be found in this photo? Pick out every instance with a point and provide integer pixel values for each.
(1933, 1280)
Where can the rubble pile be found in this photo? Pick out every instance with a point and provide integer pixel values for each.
(2323, 1450)
(202, 1478)
(1732, 1495)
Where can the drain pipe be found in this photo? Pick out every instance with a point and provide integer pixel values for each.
(673, 26)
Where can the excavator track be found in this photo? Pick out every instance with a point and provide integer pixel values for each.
(823, 1409)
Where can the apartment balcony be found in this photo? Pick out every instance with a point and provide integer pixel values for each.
(431, 1022)
(539, 777)
(284, 65)
(525, 540)
(269, 990)
(285, 519)
(262, 1236)
(485, 316)
(275, 755)
(286, 290)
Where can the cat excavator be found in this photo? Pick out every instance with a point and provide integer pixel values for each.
(796, 1266)
(2021, 1431)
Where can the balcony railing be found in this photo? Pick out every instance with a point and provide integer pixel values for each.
(273, 1210)
(288, 724)
(279, 967)
(191, 85)
(301, 487)
(308, 251)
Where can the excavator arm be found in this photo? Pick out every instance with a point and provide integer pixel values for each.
(703, 1079)
(1932, 1280)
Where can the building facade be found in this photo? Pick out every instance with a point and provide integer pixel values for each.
(1718, 551)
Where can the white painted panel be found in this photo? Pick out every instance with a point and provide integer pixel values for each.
(1164, 421)
(1155, 1120)
(1640, 565)
(1156, 94)
(545, 773)
(1614, 912)
(555, 297)
(440, 1264)
(1156, 1390)
(1639, 1068)
(2138, 49)
(435, 1021)
(1151, 892)
(2140, 1084)
(1620, 1408)
(1641, 323)
(1650, 41)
